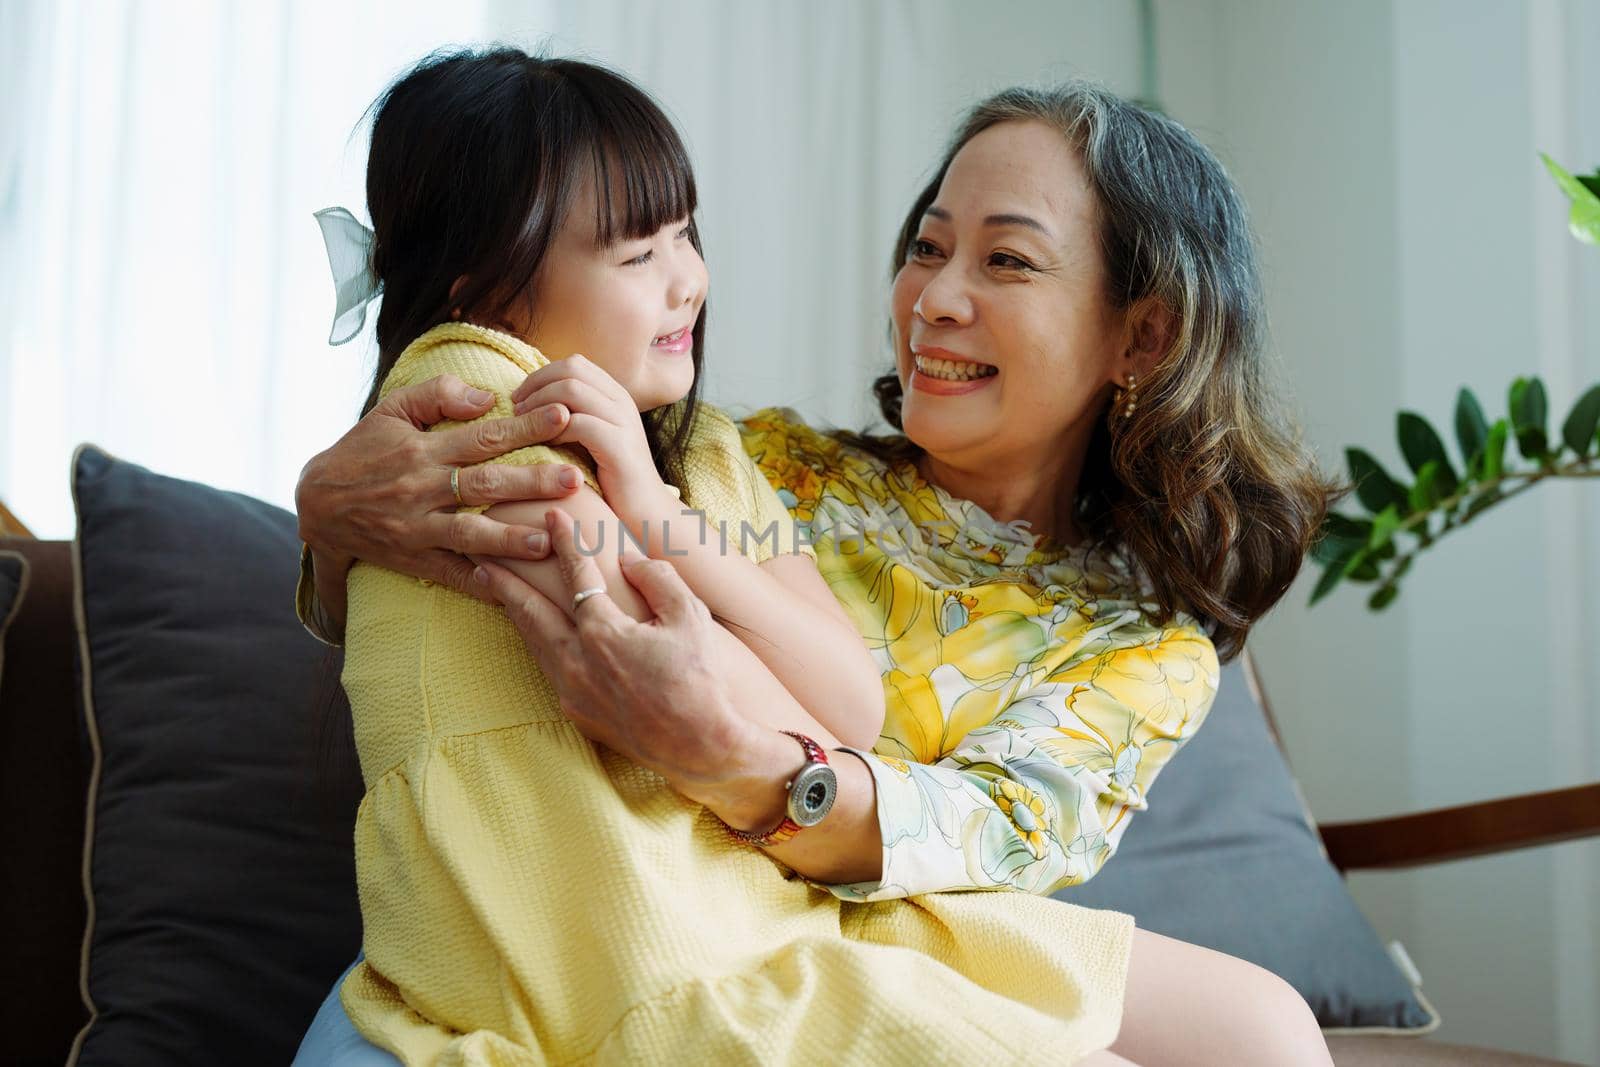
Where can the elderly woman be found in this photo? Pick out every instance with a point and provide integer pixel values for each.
(1091, 498)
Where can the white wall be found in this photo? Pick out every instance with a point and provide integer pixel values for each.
(1413, 244)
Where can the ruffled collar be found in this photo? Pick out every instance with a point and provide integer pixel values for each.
(974, 535)
(973, 528)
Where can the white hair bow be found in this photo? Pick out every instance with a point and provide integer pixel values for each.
(350, 255)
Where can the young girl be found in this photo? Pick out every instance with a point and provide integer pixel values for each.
(529, 897)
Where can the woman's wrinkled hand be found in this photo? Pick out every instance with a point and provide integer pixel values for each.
(382, 492)
(604, 419)
(646, 690)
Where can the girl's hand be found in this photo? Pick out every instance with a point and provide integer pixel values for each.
(605, 420)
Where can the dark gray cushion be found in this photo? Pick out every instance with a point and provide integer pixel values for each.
(1224, 858)
(223, 883)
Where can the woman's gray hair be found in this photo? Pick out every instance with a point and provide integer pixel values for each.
(1172, 224)
(1209, 485)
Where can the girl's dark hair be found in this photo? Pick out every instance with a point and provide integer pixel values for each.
(1208, 485)
(475, 161)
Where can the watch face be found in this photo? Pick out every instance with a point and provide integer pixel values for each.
(812, 794)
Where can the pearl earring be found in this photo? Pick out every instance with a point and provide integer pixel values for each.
(1126, 409)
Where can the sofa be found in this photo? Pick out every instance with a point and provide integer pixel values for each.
(164, 864)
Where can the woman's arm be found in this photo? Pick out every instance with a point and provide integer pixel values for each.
(759, 695)
(652, 692)
(329, 600)
(1040, 797)
(783, 612)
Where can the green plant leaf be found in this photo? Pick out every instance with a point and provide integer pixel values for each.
(1425, 491)
(1529, 411)
(1380, 542)
(1340, 538)
(1420, 444)
(1494, 450)
(1584, 218)
(1361, 568)
(1374, 488)
(1472, 429)
(1335, 549)
(1383, 596)
(1579, 429)
(1345, 527)
(1330, 578)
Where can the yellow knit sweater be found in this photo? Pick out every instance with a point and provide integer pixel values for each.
(530, 897)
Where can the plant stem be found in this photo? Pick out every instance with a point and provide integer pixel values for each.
(1578, 468)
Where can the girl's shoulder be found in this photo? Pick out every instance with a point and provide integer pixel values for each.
(713, 432)
(711, 423)
(477, 354)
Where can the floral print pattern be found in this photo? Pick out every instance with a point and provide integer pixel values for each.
(1031, 700)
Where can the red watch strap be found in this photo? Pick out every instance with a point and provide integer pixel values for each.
(788, 827)
(814, 752)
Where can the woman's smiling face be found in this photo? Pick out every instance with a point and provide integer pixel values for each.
(1005, 281)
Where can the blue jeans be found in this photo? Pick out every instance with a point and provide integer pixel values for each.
(332, 1041)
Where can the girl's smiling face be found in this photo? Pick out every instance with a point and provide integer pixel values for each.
(630, 307)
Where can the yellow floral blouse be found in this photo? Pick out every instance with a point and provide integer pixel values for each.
(1031, 699)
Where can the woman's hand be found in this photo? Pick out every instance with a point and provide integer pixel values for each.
(649, 692)
(646, 690)
(382, 492)
(605, 420)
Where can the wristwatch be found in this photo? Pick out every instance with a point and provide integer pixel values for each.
(811, 793)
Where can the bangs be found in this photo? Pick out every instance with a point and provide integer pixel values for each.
(641, 170)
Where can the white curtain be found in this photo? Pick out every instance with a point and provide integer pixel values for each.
(165, 291)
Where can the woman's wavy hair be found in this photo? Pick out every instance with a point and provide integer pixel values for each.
(475, 161)
(1208, 485)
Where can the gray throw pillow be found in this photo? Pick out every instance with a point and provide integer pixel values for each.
(222, 872)
(1225, 858)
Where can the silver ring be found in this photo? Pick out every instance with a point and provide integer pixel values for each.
(584, 594)
(455, 486)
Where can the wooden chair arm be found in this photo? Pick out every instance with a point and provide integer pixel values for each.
(1461, 832)
(10, 525)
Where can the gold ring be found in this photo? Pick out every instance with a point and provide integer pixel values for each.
(584, 594)
(455, 485)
